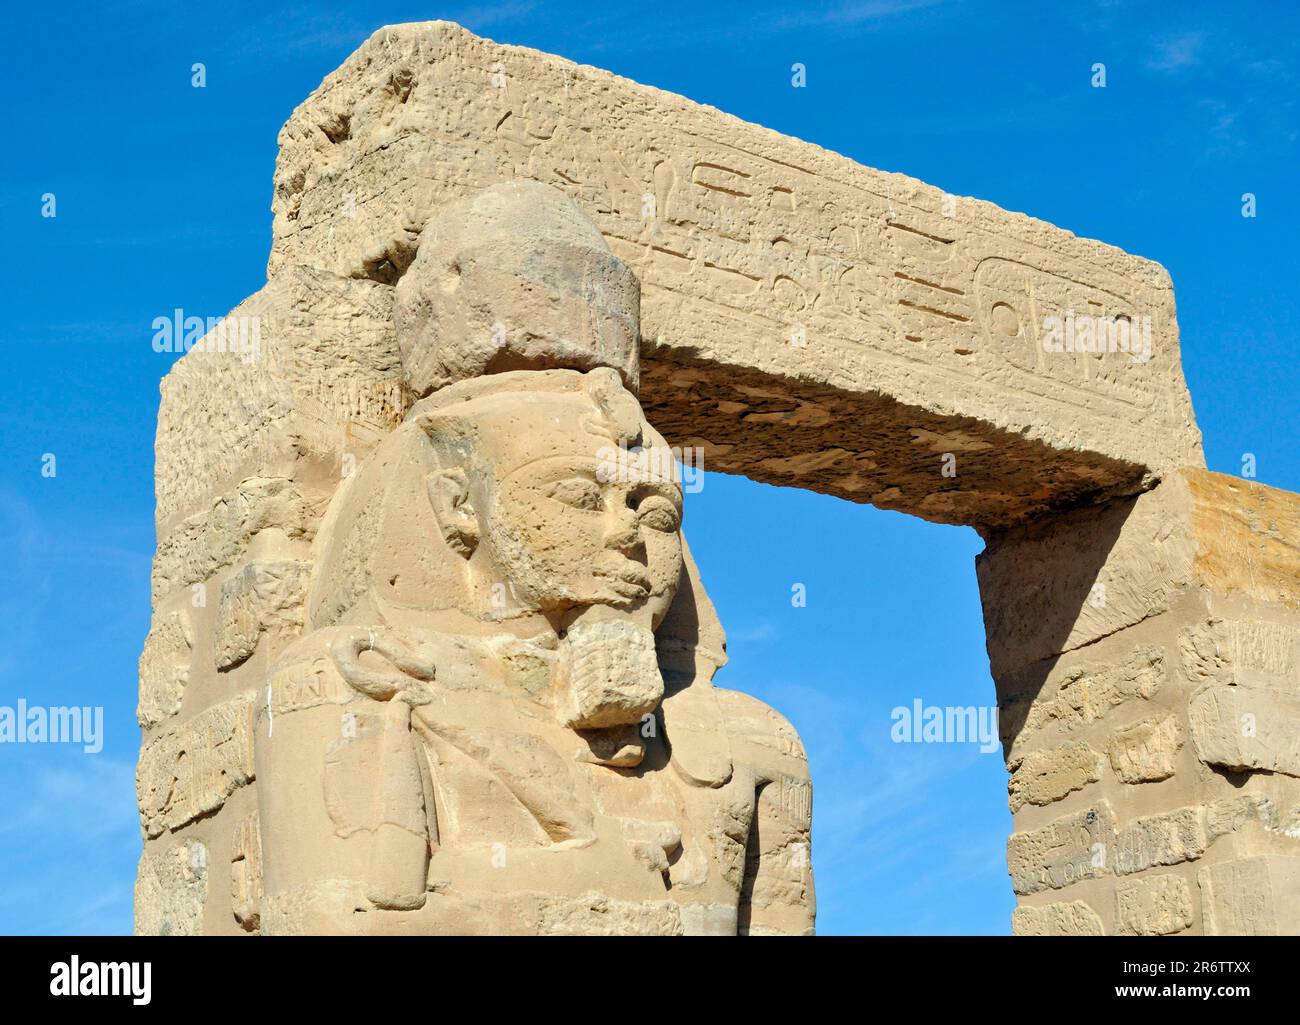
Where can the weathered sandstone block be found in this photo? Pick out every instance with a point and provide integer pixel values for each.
(1075, 693)
(165, 667)
(1045, 776)
(1062, 918)
(191, 769)
(1253, 896)
(1069, 850)
(1164, 839)
(1069, 580)
(1242, 728)
(1146, 751)
(218, 538)
(264, 597)
(1232, 814)
(1154, 905)
(170, 890)
(478, 300)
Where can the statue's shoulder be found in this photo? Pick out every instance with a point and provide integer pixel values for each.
(760, 735)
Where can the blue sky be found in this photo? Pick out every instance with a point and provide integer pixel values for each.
(163, 195)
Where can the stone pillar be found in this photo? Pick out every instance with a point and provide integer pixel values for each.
(1146, 654)
(257, 425)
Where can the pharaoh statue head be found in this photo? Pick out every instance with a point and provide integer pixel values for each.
(535, 502)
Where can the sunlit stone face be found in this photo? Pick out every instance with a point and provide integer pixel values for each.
(594, 523)
(586, 541)
(557, 493)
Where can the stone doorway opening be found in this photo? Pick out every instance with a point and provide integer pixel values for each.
(909, 833)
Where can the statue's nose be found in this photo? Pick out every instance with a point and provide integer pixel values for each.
(625, 535)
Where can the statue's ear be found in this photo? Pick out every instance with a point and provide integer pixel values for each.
(449, 493)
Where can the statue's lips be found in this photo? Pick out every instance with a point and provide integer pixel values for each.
(628, 581)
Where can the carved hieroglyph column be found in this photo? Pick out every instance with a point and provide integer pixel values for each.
(1147, 655)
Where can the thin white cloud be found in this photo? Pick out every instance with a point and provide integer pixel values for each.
(88, 796)
(855, 12)
(1174, 53)
(763, 631)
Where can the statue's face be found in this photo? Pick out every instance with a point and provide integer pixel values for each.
(558, 499)
(594, 525)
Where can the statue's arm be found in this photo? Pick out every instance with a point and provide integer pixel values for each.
(777, 896)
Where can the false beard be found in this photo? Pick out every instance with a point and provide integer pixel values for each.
(607, 674)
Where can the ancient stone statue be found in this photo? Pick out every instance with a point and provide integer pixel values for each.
(500, 717)
(428, 651)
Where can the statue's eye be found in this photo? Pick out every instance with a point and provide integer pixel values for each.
(577, 492)
(657, 513)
